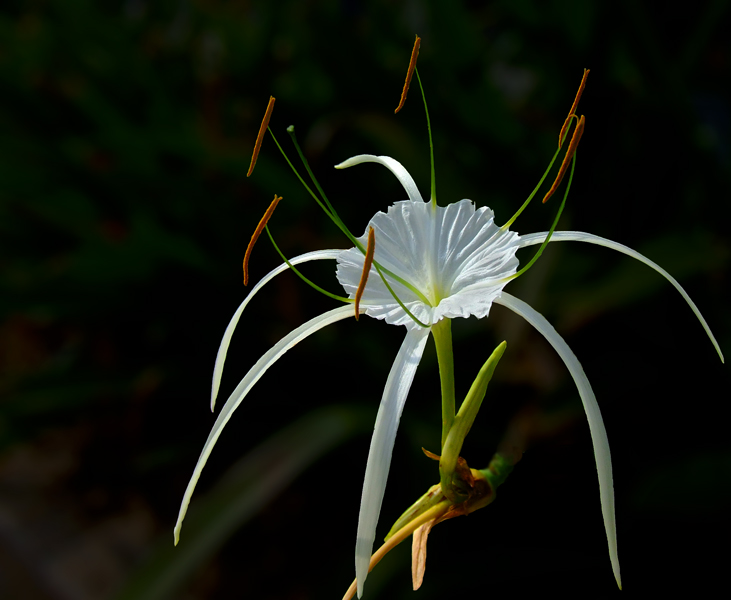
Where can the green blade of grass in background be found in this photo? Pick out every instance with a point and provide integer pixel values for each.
(242, 492)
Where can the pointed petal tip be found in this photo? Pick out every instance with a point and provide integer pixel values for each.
(580, 236)
(615, 569)
(217, 372)
(596, 424)
(356, 160)
(362, 565)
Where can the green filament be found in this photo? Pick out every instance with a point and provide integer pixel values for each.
(431, 142)
(302, 277)
(540, 183)
(335, 217)
(330, 212)
(553, 226)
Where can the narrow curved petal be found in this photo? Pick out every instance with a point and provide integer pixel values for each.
(384, 434)
(223, 348)
(580, 236)
(266, 361)
(392, 165)
(593, 415)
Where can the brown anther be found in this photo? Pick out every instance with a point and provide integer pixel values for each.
(260, 137)
(572, 112)
(370, 249)
(259, 228)
(409, 73)
(569, 155)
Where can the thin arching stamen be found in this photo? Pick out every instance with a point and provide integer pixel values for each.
(313, 285)
(358, 245)
(370, 249)
(260, 137)
(567, 159)
(259, 228)
(409, 73)
(572, 112)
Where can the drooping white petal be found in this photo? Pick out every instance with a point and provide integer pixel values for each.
(392, 165)
(379, 456)
(223, 348)
(266, 361)
(580, 236)
(455, 256)
(593, 415)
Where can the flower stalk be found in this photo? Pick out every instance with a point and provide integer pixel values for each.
(442, 332)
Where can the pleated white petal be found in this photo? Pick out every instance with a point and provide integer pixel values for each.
(593, 415)
(379, 455)
(392, 165)
(454, 255)
(223, 348)
(266, 361)
(580, 236)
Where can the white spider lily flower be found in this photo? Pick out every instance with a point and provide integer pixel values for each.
(459, 261)
(442, 262)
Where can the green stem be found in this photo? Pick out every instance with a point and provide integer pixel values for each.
(498, 470)
(445, 356)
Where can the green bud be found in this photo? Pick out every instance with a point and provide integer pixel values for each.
(461, 427)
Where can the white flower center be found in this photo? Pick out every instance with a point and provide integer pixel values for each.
(444, 262)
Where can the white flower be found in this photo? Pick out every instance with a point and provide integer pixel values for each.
(442, 262)
(455, 258)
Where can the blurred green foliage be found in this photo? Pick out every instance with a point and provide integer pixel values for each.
(125, 135)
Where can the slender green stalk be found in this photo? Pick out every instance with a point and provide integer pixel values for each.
(540, 183)
(337, 222)
(335, 219)
(395, 297)
(290, 131)
(433, 497)
(553, 226)
(498, 470)
(445, 356)
(431, 142)
(533, 193)
(302, 277)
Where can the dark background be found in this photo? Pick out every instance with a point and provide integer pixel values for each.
(126, 130)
